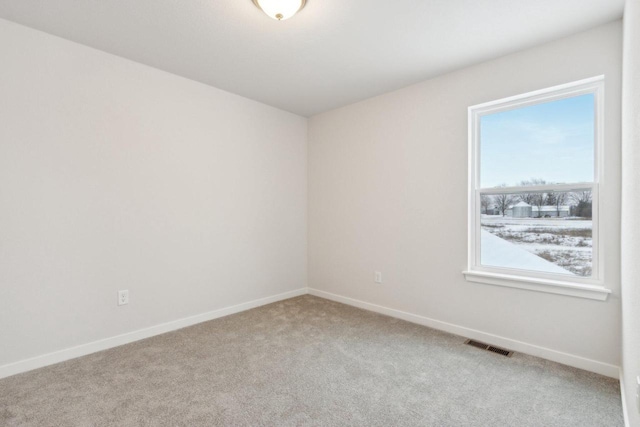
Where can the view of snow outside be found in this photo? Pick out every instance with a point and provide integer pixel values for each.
(538, 231)
(556, 227)
(564, 242)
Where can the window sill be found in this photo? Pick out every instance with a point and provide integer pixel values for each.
(594, 292)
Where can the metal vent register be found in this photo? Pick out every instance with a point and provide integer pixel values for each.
(488, 347)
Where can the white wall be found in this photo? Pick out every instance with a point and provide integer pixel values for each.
(630, 208)
(114, 175)
(388, 192)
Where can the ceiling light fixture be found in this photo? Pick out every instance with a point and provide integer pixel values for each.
(280, 9)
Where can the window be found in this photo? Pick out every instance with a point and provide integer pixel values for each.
(535, 168)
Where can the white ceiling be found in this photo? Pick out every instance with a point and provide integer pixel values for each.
(334, 52)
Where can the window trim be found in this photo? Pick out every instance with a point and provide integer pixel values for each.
(591, 287)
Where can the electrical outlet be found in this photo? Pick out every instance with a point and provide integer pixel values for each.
(123, 297)
(377, 277)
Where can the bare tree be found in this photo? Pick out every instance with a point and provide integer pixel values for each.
(559, 199)
(485, 201)
(536, 181)
(526, 197)
(538, 200)
(581, 197)
(503, 201)
(581, 203)
(534, 199)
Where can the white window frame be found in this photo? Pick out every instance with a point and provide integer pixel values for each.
(591, 287)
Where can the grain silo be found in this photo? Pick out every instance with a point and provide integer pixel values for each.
(522, 210)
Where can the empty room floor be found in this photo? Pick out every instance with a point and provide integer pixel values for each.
(308, 361)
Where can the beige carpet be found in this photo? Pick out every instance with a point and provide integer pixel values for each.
(307, 362)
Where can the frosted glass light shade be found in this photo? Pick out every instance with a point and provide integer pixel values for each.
(280, 9)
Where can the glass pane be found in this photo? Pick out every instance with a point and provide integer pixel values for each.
(545, 232)
(552, 142)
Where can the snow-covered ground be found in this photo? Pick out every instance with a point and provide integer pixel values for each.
(565, 242)
(497, 252)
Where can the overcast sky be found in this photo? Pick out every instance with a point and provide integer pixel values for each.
(553, 141)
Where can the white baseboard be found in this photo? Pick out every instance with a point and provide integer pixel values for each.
(625, 414)
(107, 343)
(104, 344)
(519, 346)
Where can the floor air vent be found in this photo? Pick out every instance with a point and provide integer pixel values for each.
(488, 347)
